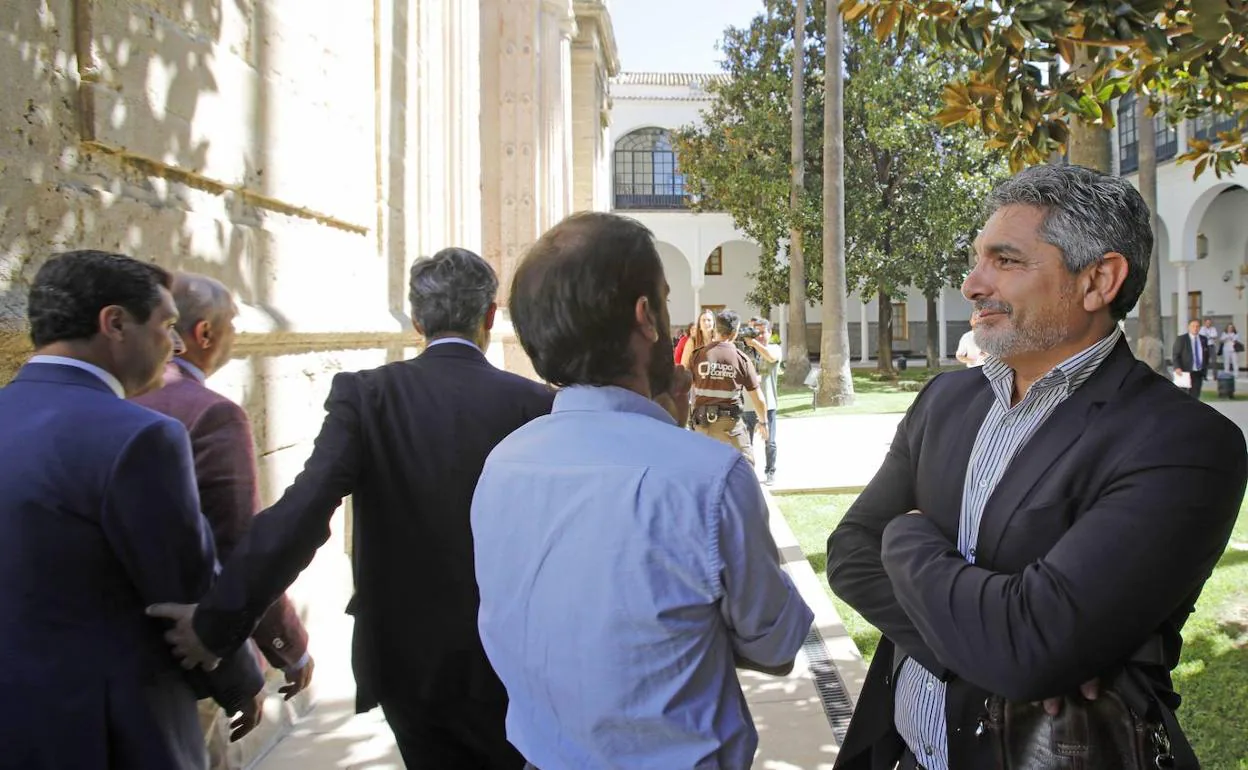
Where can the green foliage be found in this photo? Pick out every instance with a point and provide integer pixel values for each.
(738, 160)
(913, 193)
(1194, 53)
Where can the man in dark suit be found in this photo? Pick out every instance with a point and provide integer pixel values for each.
(408, 440)
(225, 469)
(1191, 355)
(99, 517)
(1044, 522)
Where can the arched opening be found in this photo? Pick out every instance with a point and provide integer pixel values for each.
(646, 176)
(680, 302)
(735, 261)
(1216, 280)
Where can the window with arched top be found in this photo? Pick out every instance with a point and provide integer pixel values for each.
(715, 262)
(646, 176)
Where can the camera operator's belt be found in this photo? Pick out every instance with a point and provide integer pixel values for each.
(712, 413)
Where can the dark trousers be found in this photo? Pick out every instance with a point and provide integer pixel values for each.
(464, 734)
(1198, 380)
(751, 422)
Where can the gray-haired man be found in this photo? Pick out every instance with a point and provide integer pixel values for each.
(408, 441)
(1043, 524)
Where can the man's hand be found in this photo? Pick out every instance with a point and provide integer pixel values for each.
(676, 399)
(297, 679)
(1089, 690)
(248, 718)
(762, 429)
(187, 647)
(1177, 370)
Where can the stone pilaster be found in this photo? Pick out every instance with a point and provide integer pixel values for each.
(594, 61)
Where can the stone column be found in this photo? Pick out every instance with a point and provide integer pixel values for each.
(556, 24)
(864, 332)
(1180, 313)
(567, 32)
(513, 142)
(943, 320)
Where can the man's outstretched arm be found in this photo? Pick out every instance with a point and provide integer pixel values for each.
(282, 540)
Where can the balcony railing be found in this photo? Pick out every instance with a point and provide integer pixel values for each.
(665, 202)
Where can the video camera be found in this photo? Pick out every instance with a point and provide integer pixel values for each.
(747, 332)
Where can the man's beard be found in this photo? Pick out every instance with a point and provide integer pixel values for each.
(1044, 331)
(662, 368)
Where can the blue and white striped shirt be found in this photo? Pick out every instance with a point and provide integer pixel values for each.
(919, 700)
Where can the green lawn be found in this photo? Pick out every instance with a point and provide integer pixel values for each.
(1212, 675)
(872, 395)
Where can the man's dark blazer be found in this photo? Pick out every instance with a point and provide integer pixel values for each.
(225, 470)
(99, 517)
(1099, 536)
(1181, 357)
(408, 441)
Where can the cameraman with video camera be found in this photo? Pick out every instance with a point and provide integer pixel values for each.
(766, 357)
(720, 372)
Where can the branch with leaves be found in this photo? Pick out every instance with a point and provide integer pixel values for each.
(1188, 58)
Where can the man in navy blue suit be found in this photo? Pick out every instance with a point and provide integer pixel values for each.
(99, 517)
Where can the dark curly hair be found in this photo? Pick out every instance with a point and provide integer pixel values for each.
(72, 288)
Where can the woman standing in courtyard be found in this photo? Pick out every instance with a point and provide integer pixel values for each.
(702, 336)
(1230, 349)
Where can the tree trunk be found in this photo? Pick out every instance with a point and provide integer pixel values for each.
(797, 363)
(836, 384)
(1089, 145)
(933, 333)
(885, 337)
(1149, 347)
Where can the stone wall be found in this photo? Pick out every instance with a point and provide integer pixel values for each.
(239, 139)
(304, 155)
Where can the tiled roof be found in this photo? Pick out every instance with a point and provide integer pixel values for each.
(668, 78)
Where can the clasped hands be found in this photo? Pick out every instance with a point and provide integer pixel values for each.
(1090, 689)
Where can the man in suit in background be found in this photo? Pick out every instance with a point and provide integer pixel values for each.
(1191, 355)
(225, 469)
(408, 441)
(1044, 521)
(99, 517)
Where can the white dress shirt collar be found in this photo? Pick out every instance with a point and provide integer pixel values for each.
(112, 382)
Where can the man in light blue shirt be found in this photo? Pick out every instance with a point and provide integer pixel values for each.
(625, 565)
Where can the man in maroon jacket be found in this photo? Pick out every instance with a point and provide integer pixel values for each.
(225, 467)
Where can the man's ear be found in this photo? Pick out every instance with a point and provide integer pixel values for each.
(1105, 280)
(490, 312)
(647, 323)
(202, 334)
(112, 322)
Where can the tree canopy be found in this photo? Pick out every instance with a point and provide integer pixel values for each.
(913, 192)
(1188, 57)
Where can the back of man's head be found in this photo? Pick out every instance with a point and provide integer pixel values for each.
(451, 292)
(199, 298)
(574, 297)
(71, 289)
(726, 323)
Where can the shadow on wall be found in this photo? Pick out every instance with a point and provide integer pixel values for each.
(110, 147)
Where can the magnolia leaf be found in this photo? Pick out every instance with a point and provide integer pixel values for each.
(851, 10)
(952, 114)
(887, 22)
